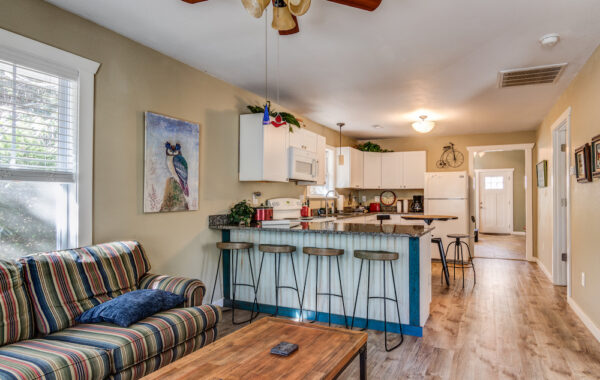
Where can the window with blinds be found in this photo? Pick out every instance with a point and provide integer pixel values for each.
(38, 131)
(38, 159)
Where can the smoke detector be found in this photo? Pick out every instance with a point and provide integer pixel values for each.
(549, 40)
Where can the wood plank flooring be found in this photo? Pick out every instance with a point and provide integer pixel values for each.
(500, 247)
(513, 324)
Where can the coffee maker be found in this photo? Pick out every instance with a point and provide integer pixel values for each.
(417, 204)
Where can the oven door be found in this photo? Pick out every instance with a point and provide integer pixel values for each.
(303, 165)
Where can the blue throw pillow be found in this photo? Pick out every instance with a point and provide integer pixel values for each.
(131, 307)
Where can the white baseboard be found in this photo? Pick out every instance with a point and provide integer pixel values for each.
(522, 233)
(544, 269)
(584, 318)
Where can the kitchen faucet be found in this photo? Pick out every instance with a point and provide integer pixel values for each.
(327, 200)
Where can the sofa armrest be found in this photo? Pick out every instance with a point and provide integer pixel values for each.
(193, 290)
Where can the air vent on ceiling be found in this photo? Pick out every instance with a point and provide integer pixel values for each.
(530, 75)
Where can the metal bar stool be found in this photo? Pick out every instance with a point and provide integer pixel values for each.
(458, 253)
(236, 248)
(445, 273)
(279, 250)
(384, 257)
(324, 253)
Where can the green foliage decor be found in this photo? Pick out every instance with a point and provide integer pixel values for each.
(371, 147)
(242, 212)
(287, 117)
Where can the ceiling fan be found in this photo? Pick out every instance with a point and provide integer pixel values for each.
(285, 11)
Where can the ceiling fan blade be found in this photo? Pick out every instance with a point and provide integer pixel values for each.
(193, 1)
(291, 31)
(367, 5)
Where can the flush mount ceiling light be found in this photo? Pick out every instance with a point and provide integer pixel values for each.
(423, 126)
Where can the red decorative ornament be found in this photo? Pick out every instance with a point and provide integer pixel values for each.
(278, 122)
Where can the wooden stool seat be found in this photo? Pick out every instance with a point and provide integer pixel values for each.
(323, 251)
(273, 248)
(376, 255)
(234, 245)
(459, 236)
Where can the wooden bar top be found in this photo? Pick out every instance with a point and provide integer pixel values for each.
(323, 352)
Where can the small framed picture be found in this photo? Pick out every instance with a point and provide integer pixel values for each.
(542, 173)
(596, 157)
(583, 171)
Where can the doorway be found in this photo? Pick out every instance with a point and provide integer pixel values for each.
(495, 200)
(522, 229)
(560, 200)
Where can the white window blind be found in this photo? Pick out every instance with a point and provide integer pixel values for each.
(38, 131)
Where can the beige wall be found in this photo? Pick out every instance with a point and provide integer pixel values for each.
(514, 159)
(434, 144)
(583, 96)
(133, 79)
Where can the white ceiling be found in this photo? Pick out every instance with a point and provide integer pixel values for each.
(375, 68)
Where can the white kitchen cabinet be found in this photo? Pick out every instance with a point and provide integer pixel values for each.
(415, 166)
(372, 170)
(392, 170)
(263, 150)
(304, 139)
(321, 160)
(350, 174)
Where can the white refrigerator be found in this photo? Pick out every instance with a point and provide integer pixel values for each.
(447, 193)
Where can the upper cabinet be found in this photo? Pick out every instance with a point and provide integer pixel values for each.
(263, 150)
(391, 170)
(372, 170)
(265, 155)
(415, 166)
(350, 173)
(304, 139)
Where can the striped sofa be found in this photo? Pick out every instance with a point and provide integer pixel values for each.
(42, 295)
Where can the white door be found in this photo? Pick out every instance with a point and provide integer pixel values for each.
(495, 201)
(392, 170)
(372, 170)
(415, 166)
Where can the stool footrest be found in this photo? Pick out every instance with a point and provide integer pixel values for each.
(382, 298)
(330, 294)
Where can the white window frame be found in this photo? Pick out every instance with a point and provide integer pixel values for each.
(331, 177)
(35, 54)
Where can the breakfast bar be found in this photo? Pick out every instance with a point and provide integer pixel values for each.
(412, 272)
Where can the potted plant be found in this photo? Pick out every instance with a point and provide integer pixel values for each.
(371, 147)
(285, 116)
(241, 213)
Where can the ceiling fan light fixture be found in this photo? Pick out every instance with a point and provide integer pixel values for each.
(282, 18)
(298, 7)
(255, 7)
(423, 126)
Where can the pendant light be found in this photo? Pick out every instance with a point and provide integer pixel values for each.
(423, 126)
(341, 156)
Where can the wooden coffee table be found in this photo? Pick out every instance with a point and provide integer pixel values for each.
(323, 353)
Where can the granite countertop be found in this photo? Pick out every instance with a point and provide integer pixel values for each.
(339, 228)
(357, 214)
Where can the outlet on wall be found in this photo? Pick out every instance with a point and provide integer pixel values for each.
(583, 279)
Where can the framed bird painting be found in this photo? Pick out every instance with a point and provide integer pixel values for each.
(170, 164)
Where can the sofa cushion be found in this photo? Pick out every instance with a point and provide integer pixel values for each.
(44, 359)
(143, 340)
(158, 361)
(16, 320)
(131, 307)
(64, 284)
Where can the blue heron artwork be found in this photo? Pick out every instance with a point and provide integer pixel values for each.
(171, 164)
